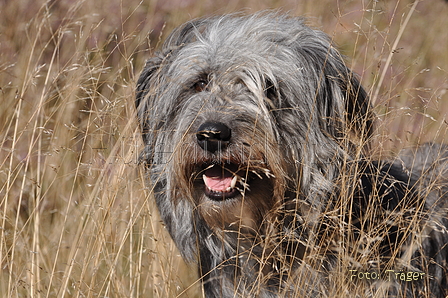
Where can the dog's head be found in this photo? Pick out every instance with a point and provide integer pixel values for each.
(237, 111)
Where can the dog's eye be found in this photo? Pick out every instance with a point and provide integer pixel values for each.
(200, 86)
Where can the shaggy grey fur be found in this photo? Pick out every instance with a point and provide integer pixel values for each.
(256, 135)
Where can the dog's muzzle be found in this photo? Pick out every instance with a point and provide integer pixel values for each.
(219, 179)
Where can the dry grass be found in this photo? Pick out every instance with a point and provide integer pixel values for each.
(75, 217)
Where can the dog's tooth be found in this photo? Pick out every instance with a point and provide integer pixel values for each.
(233, 182)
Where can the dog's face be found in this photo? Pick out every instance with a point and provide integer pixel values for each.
(232, 106)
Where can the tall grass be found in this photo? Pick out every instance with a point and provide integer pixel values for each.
(76, 219)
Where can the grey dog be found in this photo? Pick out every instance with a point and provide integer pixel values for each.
(256, 139)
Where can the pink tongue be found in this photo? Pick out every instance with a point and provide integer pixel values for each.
(217, 179)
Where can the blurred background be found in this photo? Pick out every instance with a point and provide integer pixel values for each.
(76, 219)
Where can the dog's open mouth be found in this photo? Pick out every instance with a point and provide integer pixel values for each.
(226, 181)
(221, 181)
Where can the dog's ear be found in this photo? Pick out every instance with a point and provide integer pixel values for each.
(359, 111)
(148, 84)
(144, 87)
(344, 102)
(346, 87)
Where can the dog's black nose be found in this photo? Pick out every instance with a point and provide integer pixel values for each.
(213, 136)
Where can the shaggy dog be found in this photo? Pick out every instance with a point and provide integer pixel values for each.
(256, 137)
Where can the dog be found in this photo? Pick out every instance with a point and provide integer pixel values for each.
(256, 144)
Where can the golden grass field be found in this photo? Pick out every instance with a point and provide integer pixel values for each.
(75, 217)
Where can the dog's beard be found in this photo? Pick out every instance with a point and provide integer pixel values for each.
(233, 188)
